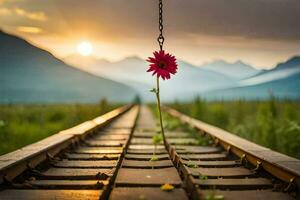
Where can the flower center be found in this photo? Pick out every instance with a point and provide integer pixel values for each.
(162, 64)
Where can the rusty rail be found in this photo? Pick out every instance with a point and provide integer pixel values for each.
(28, 157)
(112, 157)
(280, 166)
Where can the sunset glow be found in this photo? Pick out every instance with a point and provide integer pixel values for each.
(85, 48)
(229, 33)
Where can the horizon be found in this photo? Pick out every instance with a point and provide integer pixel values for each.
(93, 57)
(52, 26)
(195, 65)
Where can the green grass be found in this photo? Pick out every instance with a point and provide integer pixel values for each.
(21, 125)
(174, 124)
(273, 123)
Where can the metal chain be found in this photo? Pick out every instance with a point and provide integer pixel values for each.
(161, 38)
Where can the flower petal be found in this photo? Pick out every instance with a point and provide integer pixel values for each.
(163, 71)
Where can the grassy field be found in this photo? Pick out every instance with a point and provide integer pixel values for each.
(24, 124)
(274, 124)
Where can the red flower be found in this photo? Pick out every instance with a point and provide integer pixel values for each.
(162, 64)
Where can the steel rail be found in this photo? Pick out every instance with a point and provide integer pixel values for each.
(279, 165)
(15, 163)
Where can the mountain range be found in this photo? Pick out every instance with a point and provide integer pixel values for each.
(132, 71)
(237, 70)
(216, 80)
(283, 81)
(31, 75)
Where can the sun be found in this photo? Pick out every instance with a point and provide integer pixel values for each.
(85, 48)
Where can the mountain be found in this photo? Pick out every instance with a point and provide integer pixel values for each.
(283, 82)
(286, 88)
(292, 63)
(215, 80)
(281, 71)
(29, 75)
(192, 80)
(187, 83)
(237, 70)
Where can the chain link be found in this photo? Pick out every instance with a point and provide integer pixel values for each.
(161, 38)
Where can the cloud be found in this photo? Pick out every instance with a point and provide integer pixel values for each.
(29, 29)
(38, 16)
(258, 31)
(258, 19)
(5, 11)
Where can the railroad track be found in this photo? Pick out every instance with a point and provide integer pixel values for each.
(232, 167)
(108, 158)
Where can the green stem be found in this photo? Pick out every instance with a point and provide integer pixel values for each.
(159, 108)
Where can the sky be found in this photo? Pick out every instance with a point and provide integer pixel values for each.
(258, 32)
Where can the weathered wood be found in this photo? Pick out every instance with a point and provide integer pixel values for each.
(147, 151)
(173, 141)
(86, 164)
(14, 163)
(50, 194)
(176, 134)
(245, 183)
(221, 163)
(146, 120)
(66, 184)
(93, 167)
(183, 141)
(146, 157)
(110, 137)
(197, 149)
(143, 134)
(76, 174)
(146, 147)
(111, 131)
(147, 193)
(29, 151)
(221, 172)
(84, 156)
(275, 163)
(147, 177)
(245, 195)
(141, 141)
(97, 143)
(213, 156)
(146, 164)
(168, 134)
(103, 150)
(124, 122)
